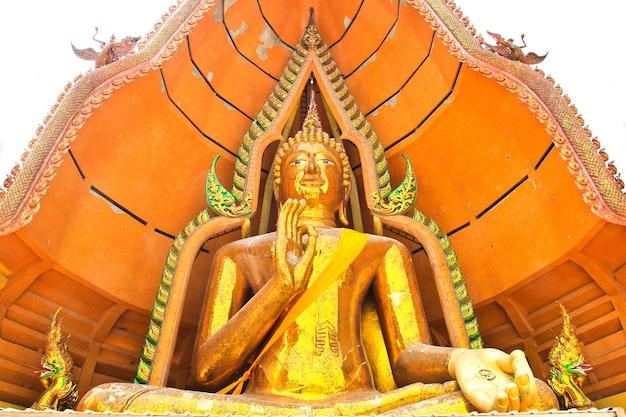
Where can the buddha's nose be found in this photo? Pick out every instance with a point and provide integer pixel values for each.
(311, 166)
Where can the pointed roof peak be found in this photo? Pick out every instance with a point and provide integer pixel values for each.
(312, 38)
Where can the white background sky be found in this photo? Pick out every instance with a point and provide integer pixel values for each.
(584, 41)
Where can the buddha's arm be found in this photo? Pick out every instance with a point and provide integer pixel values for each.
(404, 324)
(489, 378)
(230, 332)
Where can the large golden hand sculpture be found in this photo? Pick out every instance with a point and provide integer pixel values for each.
(494, 380)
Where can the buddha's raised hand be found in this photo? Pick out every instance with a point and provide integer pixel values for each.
(293, 256)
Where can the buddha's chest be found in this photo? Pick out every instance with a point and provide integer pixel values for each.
(261, 262)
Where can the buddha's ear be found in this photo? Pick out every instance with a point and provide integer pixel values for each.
(343, 213)
(343, 208)
(276, 186)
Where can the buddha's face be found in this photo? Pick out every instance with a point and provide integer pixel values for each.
(313, 171)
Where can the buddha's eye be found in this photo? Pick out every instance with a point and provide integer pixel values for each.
(298, 162)
(326, 162)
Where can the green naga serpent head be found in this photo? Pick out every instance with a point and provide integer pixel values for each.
(51, 368)
(222, 201)
(56, 376)
(56, 361)
(400, 199)
(577, 368)
(569, 369)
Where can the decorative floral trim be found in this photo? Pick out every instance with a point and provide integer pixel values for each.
(461, 292)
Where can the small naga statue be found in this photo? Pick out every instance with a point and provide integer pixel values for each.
(568, 369)
(508, 49)
(61, 392)
(110, 51)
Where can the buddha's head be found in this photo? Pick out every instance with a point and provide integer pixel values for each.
(314, 167)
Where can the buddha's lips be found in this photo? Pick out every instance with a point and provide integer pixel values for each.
(312, 183)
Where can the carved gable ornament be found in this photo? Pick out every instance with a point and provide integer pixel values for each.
(311, 61)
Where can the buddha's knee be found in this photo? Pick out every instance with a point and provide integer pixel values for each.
(114, 397)
(546, 399)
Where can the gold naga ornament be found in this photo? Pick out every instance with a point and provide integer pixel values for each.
(57, 376)
(568, 369)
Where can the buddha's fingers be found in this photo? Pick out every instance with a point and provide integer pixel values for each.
(501, 403)
(290, 206)
(285, 246)
(517, 365)
(485, 400)
(512, 392)
(295, 235)
(307, 257)
(528, 391)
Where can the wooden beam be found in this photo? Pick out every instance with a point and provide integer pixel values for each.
(101, 331)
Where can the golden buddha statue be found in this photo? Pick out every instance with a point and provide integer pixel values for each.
(284, 310)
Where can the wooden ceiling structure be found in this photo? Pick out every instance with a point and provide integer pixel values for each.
(504, 164)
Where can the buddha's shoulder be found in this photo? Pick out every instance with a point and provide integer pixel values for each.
(384, 241)
(380, 242)
(264, 239)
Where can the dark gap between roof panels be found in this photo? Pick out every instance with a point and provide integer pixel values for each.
(208, 83)
(429, 115)
(502, 197)
(232, 42)
(161, 232)
(379, 45)
(80, 171)
(347, 28)
(117, 205)
(164, 83)
(544, 156)
(417, 68)
(214, 236)
(285, 44)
